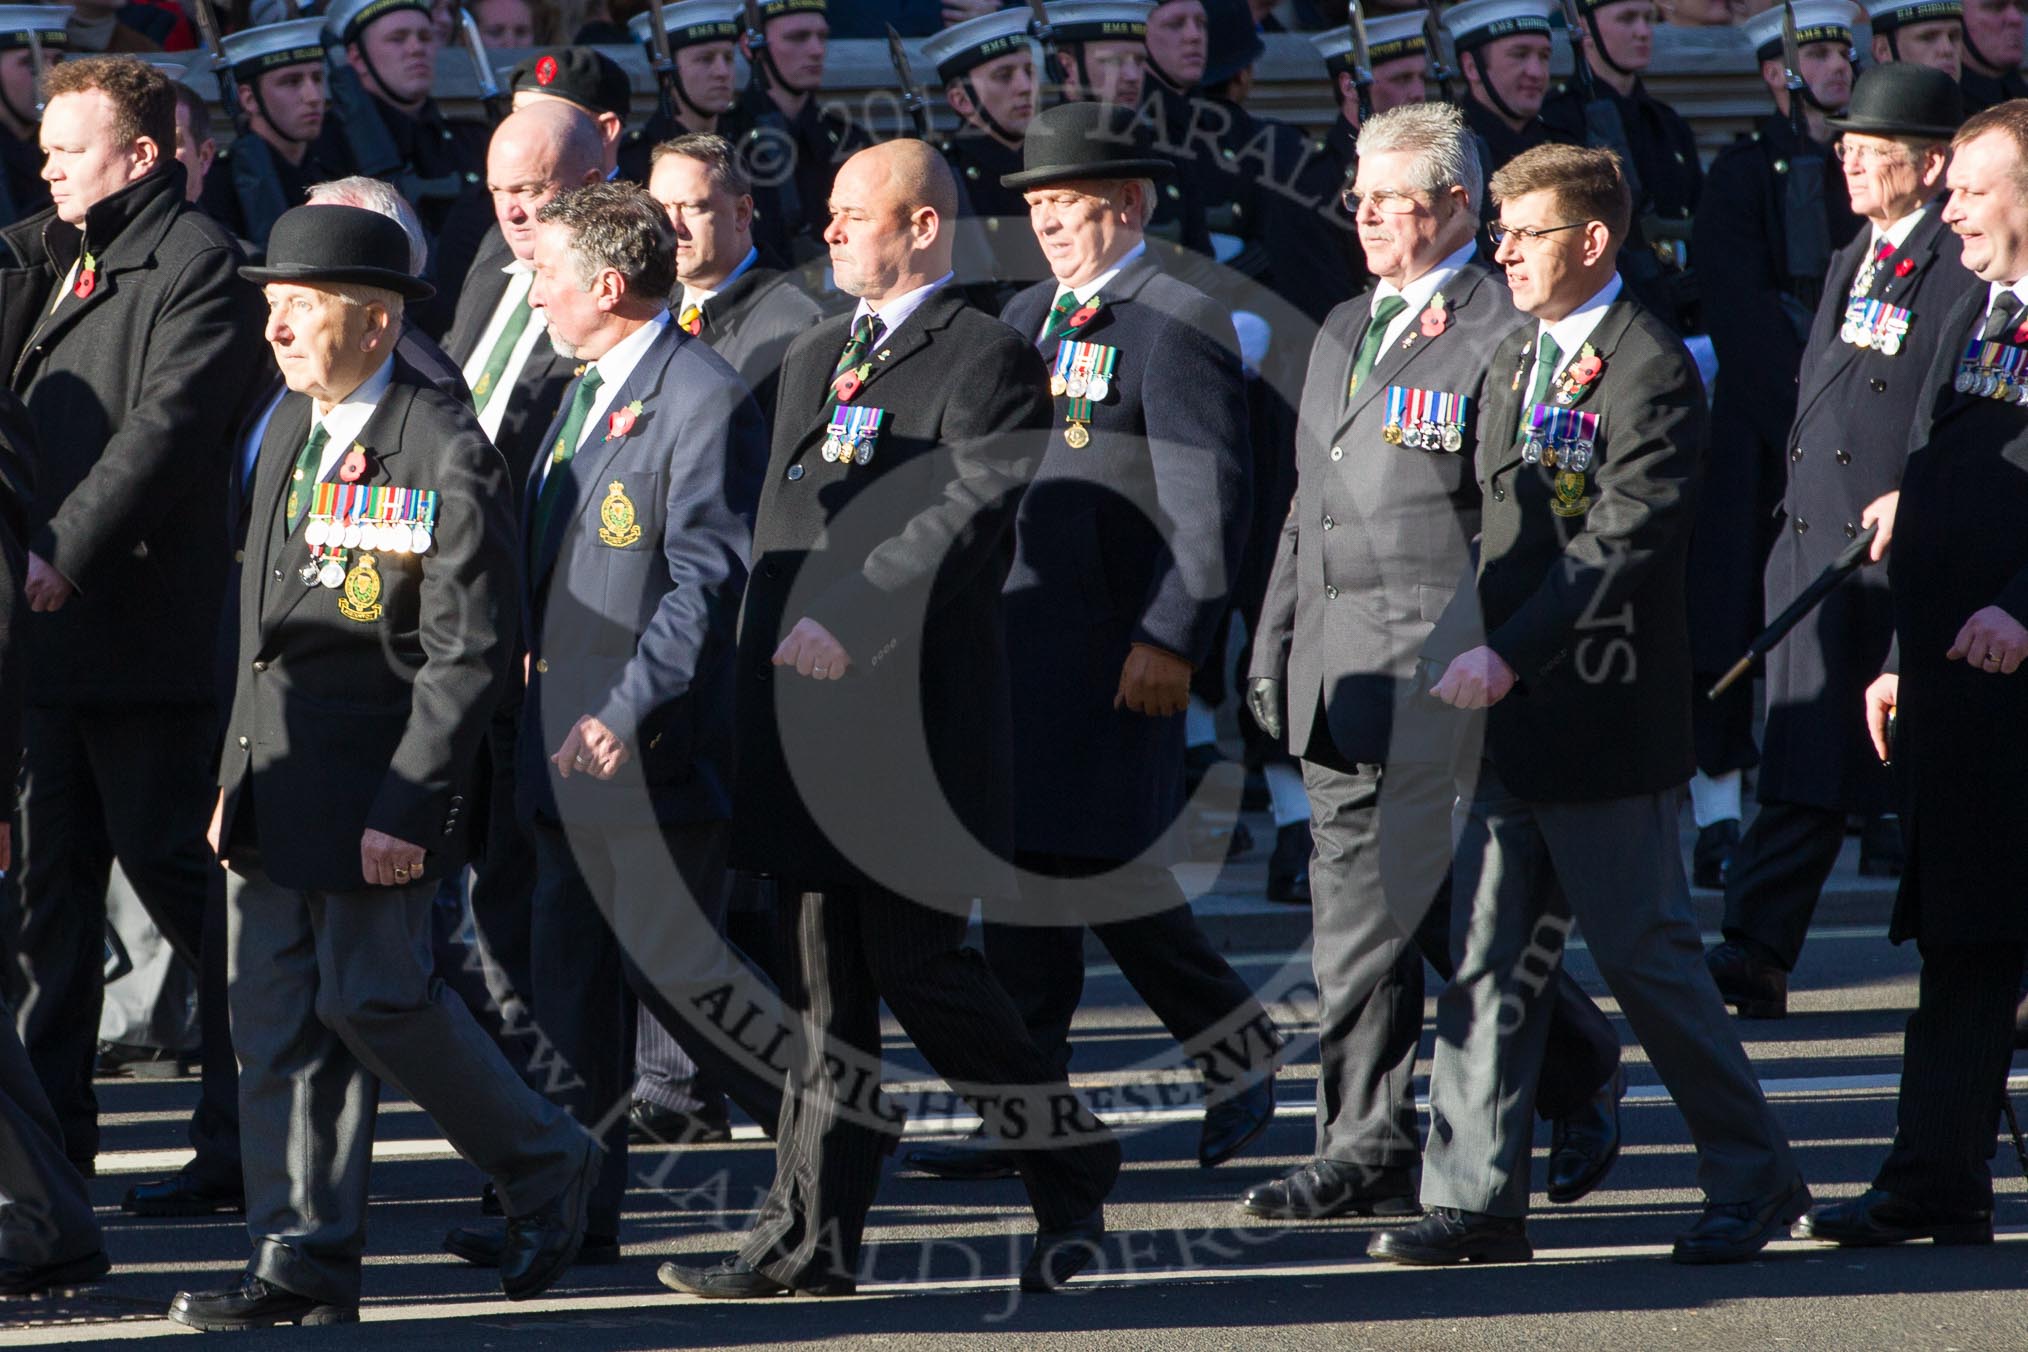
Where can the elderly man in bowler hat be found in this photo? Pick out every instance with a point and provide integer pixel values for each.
(376, 620)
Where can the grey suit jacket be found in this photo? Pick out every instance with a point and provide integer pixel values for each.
(752, 322)
(1376, 539)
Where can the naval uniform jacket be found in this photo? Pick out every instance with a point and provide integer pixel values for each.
(1378, 536)
(902, 560)
(1748, 297)
(1135, 537)
(133, 392)
(1854, 412)
(1961, 747)
(997, 253)
(633, 591)
(339, 723)
(1588, 609)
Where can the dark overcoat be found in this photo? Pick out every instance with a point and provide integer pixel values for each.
(133, 392)
(632, 594)
(900, 772)
(1961, 746)
(1588, 610)
(1847, 448)
(342, 724)
(1133, 538)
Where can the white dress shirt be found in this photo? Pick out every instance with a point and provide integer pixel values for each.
(520, 278)
(1097, 284)
(347, 420)
(1574, 330)
(614, 368)
(1418, 292)
(897, 311)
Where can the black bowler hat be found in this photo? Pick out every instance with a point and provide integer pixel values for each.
(339, 244)
(1084, 140)
(591, 80)
(1903, 99)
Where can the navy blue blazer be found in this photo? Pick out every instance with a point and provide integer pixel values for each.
(1134, 537)
(631, 597)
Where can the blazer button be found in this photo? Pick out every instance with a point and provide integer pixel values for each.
(243, 742)
(278, 573)
(1337, 452)
(1879, 385)
(1796, 456)
(542, 665)
(1499, 495)
(1331, 592)
(1844, 457)
(760, 671)
(457, 800)
(239, 556)
(770, 570)
(260, 666)
(1851, 531)
(1801, 525)
(795, 473)
(1328, 523)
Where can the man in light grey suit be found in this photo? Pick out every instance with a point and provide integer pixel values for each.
(1375, 542)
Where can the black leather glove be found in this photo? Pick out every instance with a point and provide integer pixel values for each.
(1264, 702)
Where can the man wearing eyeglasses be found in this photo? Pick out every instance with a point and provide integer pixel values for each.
(1595, 424)
(1766, 198)
(1864, 381)
(1386, 503)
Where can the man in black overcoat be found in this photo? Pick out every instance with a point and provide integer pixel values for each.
(1863, 381)
(874, 755)
(1958, 572)
(127, 333)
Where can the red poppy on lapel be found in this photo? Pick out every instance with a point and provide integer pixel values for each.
(622, 420)
(87, 277)
(1436, 318)
(355, 465)
(1081, 317)
(1585, 369)
(1904, 267)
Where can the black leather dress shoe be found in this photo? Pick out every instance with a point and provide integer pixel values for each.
(180, 1194)
(489, 1201)
(481, 1247)
(28, 1279)
(1875, 1218)
(254, 1304)
(539, 1246)
(975, 1159)
(737, 1279)
(1754, 985)
(1288, 875)
(1584, 1144)
(1236, 1123)
(1062, 1253)
(1445, 1236)
(1732, 1232)
(652, 1124)
(1324, 1188)
(1712, 856)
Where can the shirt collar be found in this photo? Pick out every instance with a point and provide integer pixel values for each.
(896, 312)
(1897, 234)
(1573, 330)
(348, 419)
(619, 363)
(1104, 279)
(1418, 292)
(697, 295)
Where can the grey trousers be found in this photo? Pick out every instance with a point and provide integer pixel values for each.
(333, 993)
(45, 1214)
(1523, 873)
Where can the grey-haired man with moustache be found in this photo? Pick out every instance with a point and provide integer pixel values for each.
(1375, 542)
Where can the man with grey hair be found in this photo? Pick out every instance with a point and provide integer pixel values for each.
(636, 529)
(1386, 505)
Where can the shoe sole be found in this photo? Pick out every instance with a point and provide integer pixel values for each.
(158, 1211)
(1943, 1236)
(962, 1174)
(1392, 1207)
(1516, 1250)
(1794, 1210)
(490, 1258)
(322, 1316)
(77, 1272)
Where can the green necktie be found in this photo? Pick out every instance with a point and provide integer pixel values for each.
(1547, 355)
(496, 360)
(1376, 335)
(304, 478)
(1059, 316)
(856, 345)
(565, 449)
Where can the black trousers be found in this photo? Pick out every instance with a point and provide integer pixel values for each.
(1205, 1005)
(667, 950)
(132, 783)
(1381, 893)
(1778, 873)
(845, 951)
(503, 871)
(1722, 729)
(1954, 1061)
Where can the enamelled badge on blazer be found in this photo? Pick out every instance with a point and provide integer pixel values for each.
(1563, 440)
(1994, 370)
(852, 434)
(349, 517)
(1874, 324)
(1084, 374)
(1430, 420)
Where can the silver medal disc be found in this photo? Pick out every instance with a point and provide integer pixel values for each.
(352, 536)
(1963, 383)
(832, 448)
(1100, 387)
(1890, 344)
(332, 574)
(419, 539)
(315, 533)
(1454, 438)
(1077, 387)
(308, 573)
(866, 451)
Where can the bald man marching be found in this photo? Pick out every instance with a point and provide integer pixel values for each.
(874, 738)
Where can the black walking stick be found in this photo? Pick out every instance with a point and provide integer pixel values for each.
(1849, 561)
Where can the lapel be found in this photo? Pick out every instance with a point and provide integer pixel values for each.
(1604, 339)
(916, 334)
(723, 312)
(381, 437)
(135, 222)
(1396, 359)
(588, 466)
